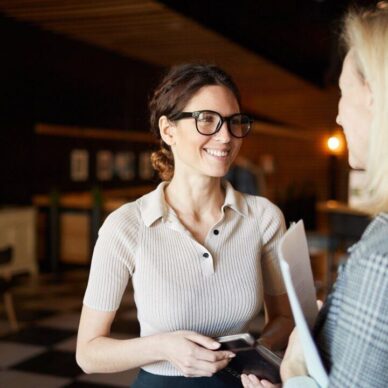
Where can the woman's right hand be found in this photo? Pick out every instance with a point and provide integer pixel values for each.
(194, 354)
(251, 381)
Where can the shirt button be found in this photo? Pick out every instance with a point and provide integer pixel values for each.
(205, 255)
(216, 231)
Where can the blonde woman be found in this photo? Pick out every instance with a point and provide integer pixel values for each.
(352, 329)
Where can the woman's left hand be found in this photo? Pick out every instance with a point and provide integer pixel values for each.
(251, 381)
(293, 363)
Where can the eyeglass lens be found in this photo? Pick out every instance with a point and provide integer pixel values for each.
(209, 123)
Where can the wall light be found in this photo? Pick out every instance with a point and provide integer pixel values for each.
(335, 144)
(335, 147)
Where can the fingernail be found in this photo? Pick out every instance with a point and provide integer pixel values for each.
(231, 355)
(216, 345)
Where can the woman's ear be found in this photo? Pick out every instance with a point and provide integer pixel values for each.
(167, 130)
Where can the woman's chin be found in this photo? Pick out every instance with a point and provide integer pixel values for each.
(355, 163)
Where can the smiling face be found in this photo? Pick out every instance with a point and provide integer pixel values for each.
(199, 154)
(354, 112)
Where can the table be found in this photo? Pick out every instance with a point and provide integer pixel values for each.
(344, 226)
(73, 220)
(18, 231)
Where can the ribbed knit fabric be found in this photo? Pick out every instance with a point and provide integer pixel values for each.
(215, 289)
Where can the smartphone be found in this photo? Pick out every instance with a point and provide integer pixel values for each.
(236, 342)
(251, 357)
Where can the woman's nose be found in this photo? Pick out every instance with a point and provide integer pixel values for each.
(338, 120)
(223, 135)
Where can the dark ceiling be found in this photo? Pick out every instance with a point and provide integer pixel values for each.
(299, 35)
(283, 54)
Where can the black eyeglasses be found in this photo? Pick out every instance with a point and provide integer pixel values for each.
(209, 122)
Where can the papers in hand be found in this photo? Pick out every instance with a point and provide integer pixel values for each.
(297, 275)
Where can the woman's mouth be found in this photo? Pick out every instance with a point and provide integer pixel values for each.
(217, 153)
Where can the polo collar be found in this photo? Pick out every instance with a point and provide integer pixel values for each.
(153, 205)
(234, 200)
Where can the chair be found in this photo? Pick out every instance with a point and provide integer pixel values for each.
(6, 282)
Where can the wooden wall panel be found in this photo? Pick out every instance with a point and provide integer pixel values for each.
(149, 31)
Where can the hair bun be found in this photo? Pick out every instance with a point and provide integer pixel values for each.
(163, 162)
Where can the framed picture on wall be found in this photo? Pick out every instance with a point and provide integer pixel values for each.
(146, 171)
(79, 165)
(125, 165)
(104, 165)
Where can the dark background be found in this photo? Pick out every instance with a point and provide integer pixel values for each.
(49, 78)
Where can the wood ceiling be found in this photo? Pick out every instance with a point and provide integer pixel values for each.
(149, 31)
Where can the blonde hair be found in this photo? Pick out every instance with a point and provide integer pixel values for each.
(365, 32)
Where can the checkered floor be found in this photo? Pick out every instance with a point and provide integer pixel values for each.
(41, 353)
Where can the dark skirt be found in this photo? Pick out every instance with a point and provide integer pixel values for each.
(220, 380)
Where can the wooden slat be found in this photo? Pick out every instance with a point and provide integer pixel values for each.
(283, 132)
(93, 133)
(84, 200)
(149, 31)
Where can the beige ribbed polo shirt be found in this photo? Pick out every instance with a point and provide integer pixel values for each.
(215, 289)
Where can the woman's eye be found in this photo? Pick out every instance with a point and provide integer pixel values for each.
(206, 119)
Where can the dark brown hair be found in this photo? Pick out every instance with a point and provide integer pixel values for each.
(172, 94)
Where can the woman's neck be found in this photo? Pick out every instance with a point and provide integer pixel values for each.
(195, 196)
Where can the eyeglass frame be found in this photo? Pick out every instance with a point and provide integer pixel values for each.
(223, 119)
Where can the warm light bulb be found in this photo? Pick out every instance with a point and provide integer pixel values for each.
(333, 143)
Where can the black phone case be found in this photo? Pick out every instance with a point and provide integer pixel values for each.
(256, 360)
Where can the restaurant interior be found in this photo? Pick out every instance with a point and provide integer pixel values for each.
(75, 145)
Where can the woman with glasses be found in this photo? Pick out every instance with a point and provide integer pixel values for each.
(201, 256)
(352, 328)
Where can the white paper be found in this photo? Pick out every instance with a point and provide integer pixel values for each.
(294, 250)
(296, 270)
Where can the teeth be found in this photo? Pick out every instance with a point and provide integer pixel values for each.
(217, 152)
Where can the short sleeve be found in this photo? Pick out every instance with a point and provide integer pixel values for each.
(272, 229)
(113, 260)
